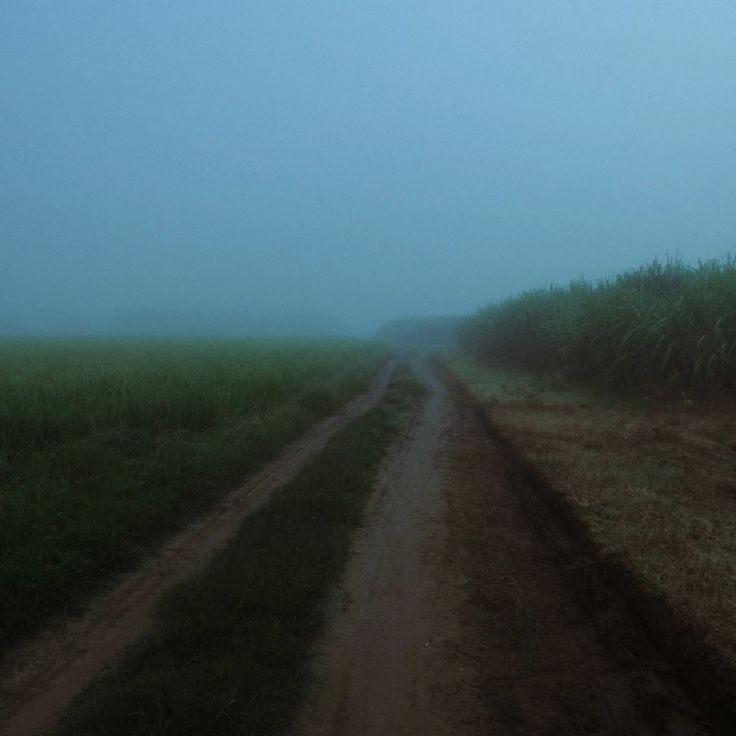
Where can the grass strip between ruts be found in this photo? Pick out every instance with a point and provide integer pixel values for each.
(230, 651)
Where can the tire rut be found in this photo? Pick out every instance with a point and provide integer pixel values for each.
(456, 616)
(43, 675)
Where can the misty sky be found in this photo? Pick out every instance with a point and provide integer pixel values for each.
(352, 161)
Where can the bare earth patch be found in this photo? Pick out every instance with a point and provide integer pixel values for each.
(456, 616)
(655, 490)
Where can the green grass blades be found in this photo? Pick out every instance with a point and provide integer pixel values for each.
(106, 446)
(230, 652)
(665, 328)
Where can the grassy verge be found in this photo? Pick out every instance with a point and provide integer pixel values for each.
(104, 447)
(229, 656)
(652, 490)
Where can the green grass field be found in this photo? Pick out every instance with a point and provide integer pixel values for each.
(104, 446)
(664, 329)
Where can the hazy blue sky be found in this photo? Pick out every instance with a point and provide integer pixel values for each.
(357, 160)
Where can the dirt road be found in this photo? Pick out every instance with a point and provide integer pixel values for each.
(458, 614)
(43, 676)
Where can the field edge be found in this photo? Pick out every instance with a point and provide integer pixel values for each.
(698, 666)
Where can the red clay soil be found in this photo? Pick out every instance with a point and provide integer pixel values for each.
(45, 674)
(459, 612)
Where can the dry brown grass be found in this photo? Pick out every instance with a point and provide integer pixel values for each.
(654, 485)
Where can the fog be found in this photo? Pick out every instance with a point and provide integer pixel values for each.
(178, 166)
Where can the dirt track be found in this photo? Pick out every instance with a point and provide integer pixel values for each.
(42, 676)
(458, 615)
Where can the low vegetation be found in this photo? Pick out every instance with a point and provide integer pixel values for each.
(662, 328)
(231, 649)
(654, 489)
(106, 446)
